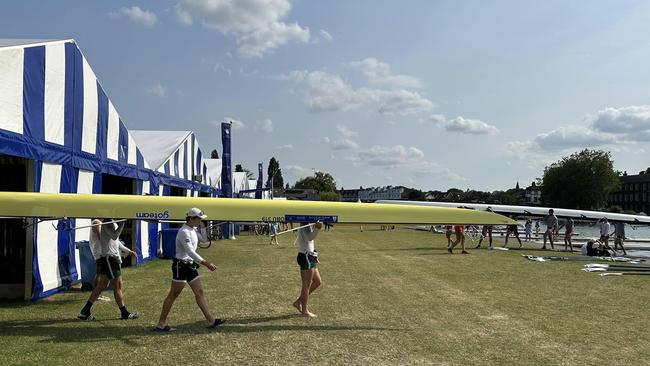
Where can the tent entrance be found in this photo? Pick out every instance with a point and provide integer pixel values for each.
(13, 237)
(113, 184)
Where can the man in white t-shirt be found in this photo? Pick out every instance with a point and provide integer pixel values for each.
(185, 269)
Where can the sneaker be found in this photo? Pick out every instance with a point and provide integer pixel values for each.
(165, 329)
(217, 322)
(478, 246)
(449, 250)
(464, 252)
(83, 316)
(134, 315)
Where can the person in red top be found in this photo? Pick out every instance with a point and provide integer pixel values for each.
(460, 238)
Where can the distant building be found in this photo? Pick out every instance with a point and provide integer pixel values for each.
(634, 194)
(532, 195)
(350, 195)
(381, 193)
(301, 194)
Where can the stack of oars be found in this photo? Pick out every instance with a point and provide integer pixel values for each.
(606, 269)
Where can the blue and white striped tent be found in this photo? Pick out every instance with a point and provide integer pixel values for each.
(54, 112)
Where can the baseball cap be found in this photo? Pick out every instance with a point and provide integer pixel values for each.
(195, 212)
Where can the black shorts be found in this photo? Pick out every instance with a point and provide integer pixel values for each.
(306, 261)
(109, 267)
(184, 271)
(513, 229)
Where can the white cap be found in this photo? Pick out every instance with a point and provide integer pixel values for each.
(195, 212)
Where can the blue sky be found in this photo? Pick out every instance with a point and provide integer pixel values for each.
(427, 94)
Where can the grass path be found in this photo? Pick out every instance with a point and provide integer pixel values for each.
(388, 298)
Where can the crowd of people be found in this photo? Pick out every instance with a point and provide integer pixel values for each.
(106, 248)
(553, 227)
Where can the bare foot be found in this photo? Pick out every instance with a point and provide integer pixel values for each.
(309, 314)
(297, 305)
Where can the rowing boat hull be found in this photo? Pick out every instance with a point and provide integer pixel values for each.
(27, 204)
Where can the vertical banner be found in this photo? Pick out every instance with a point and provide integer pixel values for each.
(260, 179)
(226, 173)
(226, 164)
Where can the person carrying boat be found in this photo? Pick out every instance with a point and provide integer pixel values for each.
(514, 230)
(551, 228)
(106, 246)
(568, 233)
(619, 235)
(460, 238)
(605, 227)
(308, 261)
(185, 269)
(487, 231)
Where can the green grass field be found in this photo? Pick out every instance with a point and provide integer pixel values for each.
(388, 298)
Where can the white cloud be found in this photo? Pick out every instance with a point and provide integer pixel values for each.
(438, 119)
(293, 172)
(470, 126)
(284, 147)
(157, 90)
(325, 92)
(403, 102)
(137, 15)
(380, 73)
(391, 156)
(237, 124)
(221, 68)
(266, 125)
(325, 35)
(572, 137)
(632, 122)
(256, 24)
(343, 144)
(463, 125)
(411, 159)
(345, 132)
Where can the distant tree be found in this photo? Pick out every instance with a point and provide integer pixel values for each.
(214, 154)
(320, 182)
(275, 172)
(287, 186)
(476, 196)
(330, 196)
(412, 194)
(454, 195)
(582, 180)
(504, 198)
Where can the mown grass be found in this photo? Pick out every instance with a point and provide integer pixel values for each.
(388, 298)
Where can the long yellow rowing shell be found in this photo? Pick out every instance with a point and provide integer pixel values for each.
(27, 204)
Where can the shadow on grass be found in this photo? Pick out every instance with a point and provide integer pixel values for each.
(76, 331)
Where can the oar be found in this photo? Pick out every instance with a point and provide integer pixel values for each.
(605, 265)
(101, 223)
(294, 229)
(600, 269)
(625, 274)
